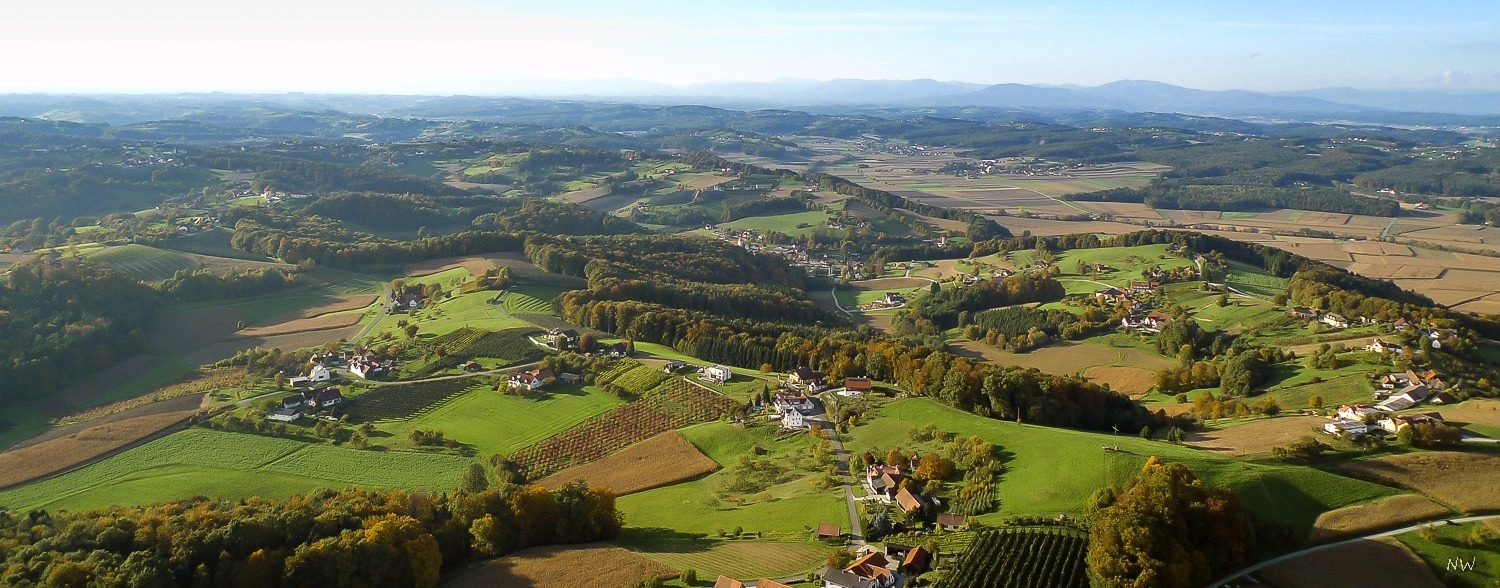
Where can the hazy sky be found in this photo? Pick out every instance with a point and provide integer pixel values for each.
(499, 47)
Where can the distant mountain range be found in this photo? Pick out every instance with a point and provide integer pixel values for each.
(1411, 108)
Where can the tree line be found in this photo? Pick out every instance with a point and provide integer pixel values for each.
(354, 538)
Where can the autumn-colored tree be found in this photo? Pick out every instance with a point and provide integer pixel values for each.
(895, 458)
(1166, 529)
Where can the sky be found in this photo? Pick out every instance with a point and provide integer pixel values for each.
(498, 47)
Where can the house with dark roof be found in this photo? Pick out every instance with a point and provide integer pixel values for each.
(806, 378)
(950, 522)
(858, 384)
(285, 415)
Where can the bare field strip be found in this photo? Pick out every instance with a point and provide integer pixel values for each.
(882, 284)
(49, 457)
(1256, 437)
(211, 352)
(223, 265)
(1131, 381)
(1487, 305)
(640, 466)
(610, 202)
(705, 182)
(1373, 562)
(1466, 481)
(475, 264)
(1476, 411)
(585, 195)
(1378, 248)
(946, 224)
(1048, 228)
(1063, 357)
(1325, 251)
(1385, 513)
(562, 566)
(1390, 271)
(303, 325)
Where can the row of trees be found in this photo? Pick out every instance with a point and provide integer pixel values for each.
(325, 538)
(1167, 194)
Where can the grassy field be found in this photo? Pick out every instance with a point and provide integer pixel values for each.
(231, 465)
(141, 262)
(497, 423)
(1449, 546)
(1464, 481)
(1036, 482)
(791, 223)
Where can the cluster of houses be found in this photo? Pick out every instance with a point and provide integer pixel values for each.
(1332, 319)
(317, 375)
(793, 409)
(879, 568)
(309, 401)
(1150, 322)
(815, 264)
(804, 378)
(406, 302)
(367, 365)
(1399, 391)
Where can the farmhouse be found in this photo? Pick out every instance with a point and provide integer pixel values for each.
(1354, 412)
(1412, 395)
(949, 521)
(884, 480)
(1144, 286)
(365, 367)
(318, 374)
(531, 380)
(293, 401)
(472, 366)
(1336, 321)
(617, 350)
(568, 378)
(1379, 345)
(836, 578)
(805, 378)
(909, 502)
(1394, 424)
(673, 366)
(872, 568)
(285, 415)
(1109, 295)
(716, 373)
(793, 420)
(1350, 429)
(1302, 312)
(787, 403)
(858, 385)
(562, 338)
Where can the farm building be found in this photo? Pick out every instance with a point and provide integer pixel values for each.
(884, 480)
(949, 521)
(1379, 345)
(793, 420)
(1301, 312)
(531, 380)
(617, 350)
(858, 385)
(562, 338)
(316, 375)
(673, 366)
(1336, 321)
(786, 403)
(1394, 424)
(828, 531)
(1350, 429)
(806, 378)
(285, 415)
(1354, 412)
(836, 578)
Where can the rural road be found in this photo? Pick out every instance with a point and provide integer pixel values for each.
(1296, 554)
(841, 456)
(385, 309)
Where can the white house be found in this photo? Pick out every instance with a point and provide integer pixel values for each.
(716, 373)
(792, 419)
(526, 381)
(1378, 345)
(1335, 320)
(1354, 412)
(786, 403)
(320, 374)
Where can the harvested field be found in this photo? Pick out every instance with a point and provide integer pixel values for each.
(476, 266)
(1465, 481)
(215, 351)
(1389, 271)
(303, 325)
(1256, 437)
(1477, 411)
(883, 284)
(1378, 248)
(1132, 381)
(12, 258)
(1386, 513)
(745, 560)
(1373, 562)
(1063, 357)
(562, 566)
(951, 225)
(184, 332)
(706, 182)
(49, 457)
(1047, 227)
(639, 467)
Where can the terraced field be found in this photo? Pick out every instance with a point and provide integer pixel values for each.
(141, 262)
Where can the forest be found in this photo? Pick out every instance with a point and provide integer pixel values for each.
(60, 322)
(353, 538)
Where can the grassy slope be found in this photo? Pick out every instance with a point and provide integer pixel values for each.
(1450, 547)
(686, 508)
(496, 423)
(1050, 471)
(231, 465)
(144, 263)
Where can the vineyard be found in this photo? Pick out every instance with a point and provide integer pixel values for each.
(512, 345)
(631, 375)
(1030, 556)
(673, 405)
(402, 401)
